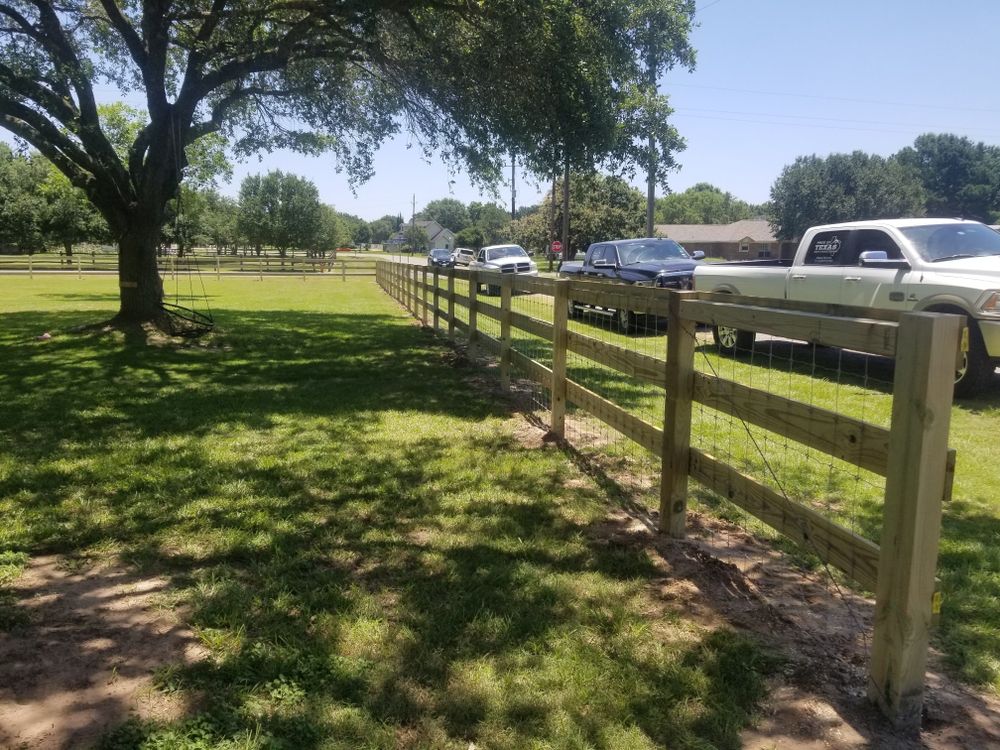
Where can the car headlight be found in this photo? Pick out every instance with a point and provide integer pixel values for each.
(491, 266)
(991, 304)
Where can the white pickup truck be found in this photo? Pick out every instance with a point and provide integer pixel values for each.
(929, 265)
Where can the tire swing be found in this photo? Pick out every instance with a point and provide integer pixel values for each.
(186, 319)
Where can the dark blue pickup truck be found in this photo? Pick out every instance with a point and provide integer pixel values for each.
(651, 261)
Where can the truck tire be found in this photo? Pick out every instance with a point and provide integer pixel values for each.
(493, 290)
(625, 320)
(732, 340)
(573, 310)
(977, 370)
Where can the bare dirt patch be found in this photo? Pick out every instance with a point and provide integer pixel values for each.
(86, 659)
(722, 575)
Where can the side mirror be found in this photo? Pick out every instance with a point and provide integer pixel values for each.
(880, 259)
(698, 255)
(603, 264)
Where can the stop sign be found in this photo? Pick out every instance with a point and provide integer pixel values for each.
(556, 247)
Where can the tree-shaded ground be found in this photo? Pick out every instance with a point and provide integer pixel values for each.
(367, 551)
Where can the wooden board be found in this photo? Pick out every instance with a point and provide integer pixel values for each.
(860, 443)
(531, 325)
(640, 366)
(868, 335)
(856, 556)
(629, 425)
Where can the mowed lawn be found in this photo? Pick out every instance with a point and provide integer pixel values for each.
(355, 533)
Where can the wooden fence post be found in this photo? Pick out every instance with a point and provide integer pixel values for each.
(911, 524)
(675, 457)
(423, 293)
(437, 298)
(218, 269)
(473, 311)
(451, 304)
(343, 270)
(506, 295)
(79, 268)
(560, 321)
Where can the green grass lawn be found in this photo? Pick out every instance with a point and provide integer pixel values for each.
(354, 532)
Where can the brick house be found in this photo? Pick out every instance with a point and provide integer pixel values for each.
(748, 239)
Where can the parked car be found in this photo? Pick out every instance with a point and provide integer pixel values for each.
(503, 259)
(926, 265)
(440, 257)
(650, 261)
(463, 256)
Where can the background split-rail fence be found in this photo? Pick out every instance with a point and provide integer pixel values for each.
(207, 262)
(831, 430)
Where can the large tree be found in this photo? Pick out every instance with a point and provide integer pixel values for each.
(322, 75)
(448, 212)
(842, 187)
(961, 178)
(601, 208)
(703, 204)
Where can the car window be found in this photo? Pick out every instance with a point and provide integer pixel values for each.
(597, 254)
(650, 251)
(827, 249)
(866, 240)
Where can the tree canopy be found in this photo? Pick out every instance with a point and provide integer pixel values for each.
(542, 77)
(703, 204)
(601, 208)
(842, 187)
(961, 178)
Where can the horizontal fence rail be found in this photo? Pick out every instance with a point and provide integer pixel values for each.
(900, 569)
(345, 265)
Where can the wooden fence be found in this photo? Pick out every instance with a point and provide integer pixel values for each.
(344, 265)
(912, 454)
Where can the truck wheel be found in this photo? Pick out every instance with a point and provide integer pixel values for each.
(731, 340)
(574, 311)
(977, 368)
(492, 290)
(625, 320)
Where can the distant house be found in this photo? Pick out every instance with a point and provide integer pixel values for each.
(438, 235)
(742, 240)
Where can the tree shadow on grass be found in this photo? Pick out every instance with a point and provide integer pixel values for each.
(370, 557)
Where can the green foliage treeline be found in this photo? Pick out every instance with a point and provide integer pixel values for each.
(940, 175)
(559, 84)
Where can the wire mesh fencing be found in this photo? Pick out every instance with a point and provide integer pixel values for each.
(792, 421)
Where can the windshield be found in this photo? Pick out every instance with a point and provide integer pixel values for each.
(936, 242)
(507, 251)
(440, 253)
(650, 250)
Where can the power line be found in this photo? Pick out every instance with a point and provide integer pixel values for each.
(949, 107)
(909, 127)
(911, 131)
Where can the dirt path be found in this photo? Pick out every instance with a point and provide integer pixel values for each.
(722, 576)
(86, 659)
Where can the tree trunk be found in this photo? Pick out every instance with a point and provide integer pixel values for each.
(68, 247)
(141, 289)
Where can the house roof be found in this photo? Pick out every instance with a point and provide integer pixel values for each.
(757, 230)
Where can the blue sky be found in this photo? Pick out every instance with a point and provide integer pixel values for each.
(775, 79)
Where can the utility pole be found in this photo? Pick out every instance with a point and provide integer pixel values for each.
(552, 217)
(565, 222)
(513, 189)
(651, 166)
